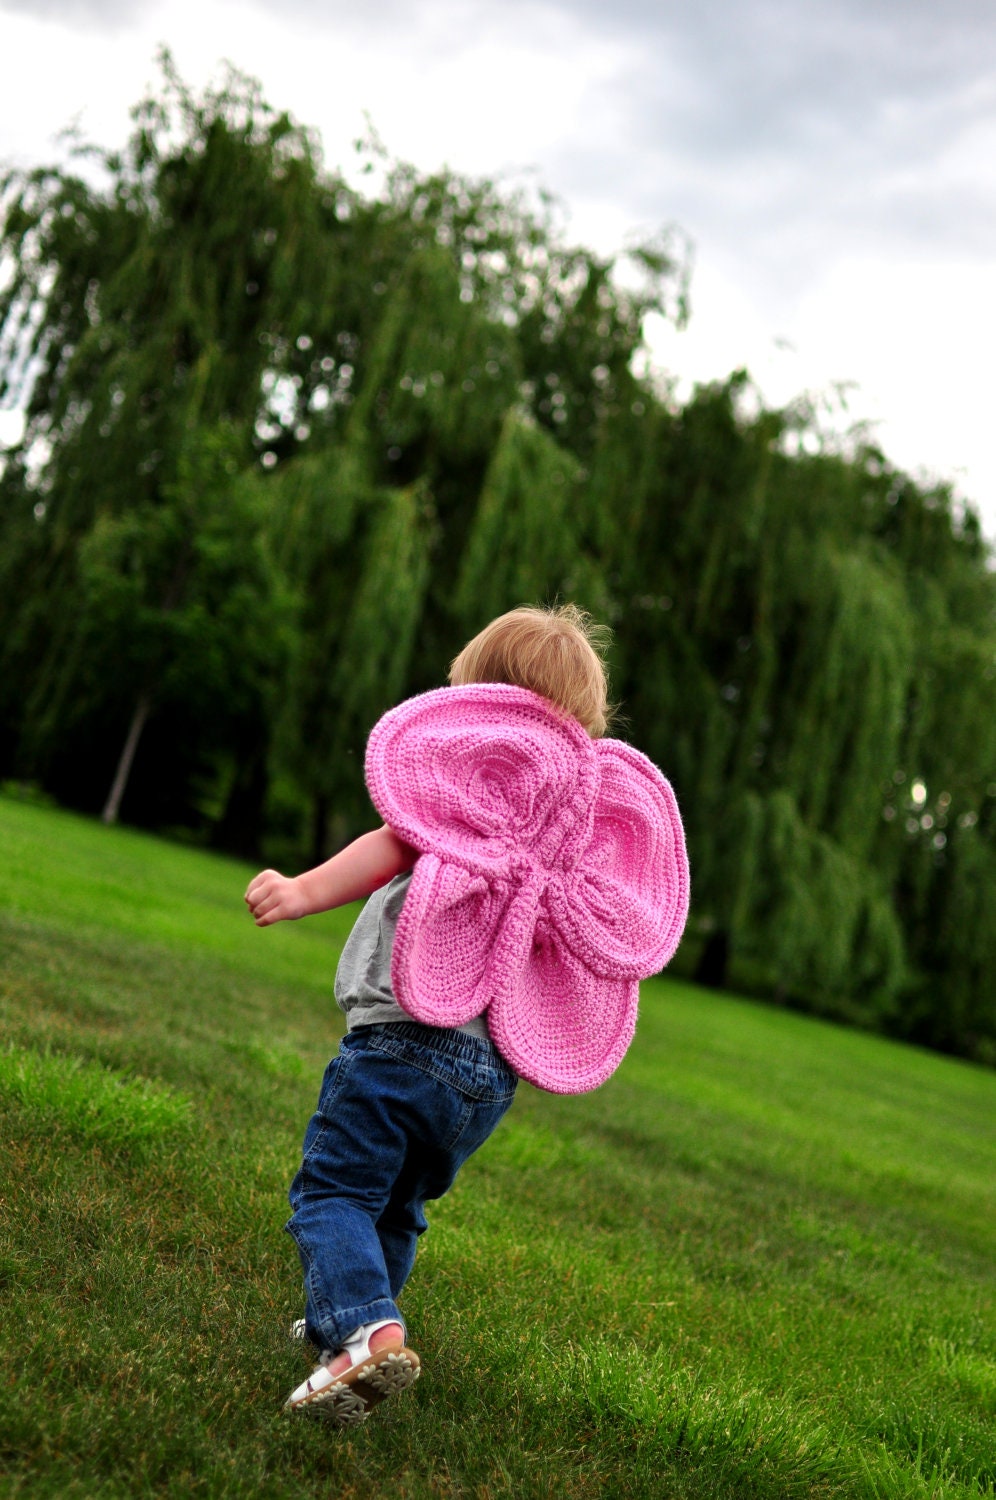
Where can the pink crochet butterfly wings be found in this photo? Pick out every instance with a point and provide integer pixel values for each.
(552, 876)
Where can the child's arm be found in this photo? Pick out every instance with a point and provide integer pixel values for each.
(363, 866)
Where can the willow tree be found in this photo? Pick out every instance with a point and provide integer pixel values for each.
(937, 829)
(765, 654)
(366, 355)
(524, 542)
(448, 451)
(145, 304)
(185, 601)
(358, 554)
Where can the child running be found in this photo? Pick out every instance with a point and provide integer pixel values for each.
(527, 874)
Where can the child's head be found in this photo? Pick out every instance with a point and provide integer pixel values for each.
(555, 652)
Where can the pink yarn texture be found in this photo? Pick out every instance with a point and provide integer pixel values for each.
(552, 876)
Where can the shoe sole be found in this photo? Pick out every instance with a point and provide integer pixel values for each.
(350, 1400)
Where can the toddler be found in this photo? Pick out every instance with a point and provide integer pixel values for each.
(527, 874)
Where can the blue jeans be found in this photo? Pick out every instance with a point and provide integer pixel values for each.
(401, 1108)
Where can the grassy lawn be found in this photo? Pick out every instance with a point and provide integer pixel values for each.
(759, 1262)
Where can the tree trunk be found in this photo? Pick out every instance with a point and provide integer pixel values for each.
(113, 804)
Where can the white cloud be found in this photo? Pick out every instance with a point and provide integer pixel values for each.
(912, 339)
(918, 336)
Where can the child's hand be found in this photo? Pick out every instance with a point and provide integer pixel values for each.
(273, 897)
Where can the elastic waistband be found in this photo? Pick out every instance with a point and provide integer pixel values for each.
(460, 1045)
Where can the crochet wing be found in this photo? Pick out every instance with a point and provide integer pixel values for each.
(475, 778)
(611, 919)
(476, 772)
(623, 908)
(552, 876)
(562, 1027)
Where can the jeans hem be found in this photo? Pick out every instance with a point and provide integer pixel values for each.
(347, 1321)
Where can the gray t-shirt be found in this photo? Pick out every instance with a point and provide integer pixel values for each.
(363, 978)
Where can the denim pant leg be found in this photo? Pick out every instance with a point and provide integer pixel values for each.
(427, 1174)
(464, 1089)
(353, 1152)
(398, 1229)
(401, 1109)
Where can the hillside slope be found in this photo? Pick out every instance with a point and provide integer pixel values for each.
(758, 1262)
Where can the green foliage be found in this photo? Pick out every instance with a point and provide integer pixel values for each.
(440, 376)
(847, 684)
(182, 595)
(375, 644)
(524, 533)
(146, 313)
(288, 445)
(813, 915)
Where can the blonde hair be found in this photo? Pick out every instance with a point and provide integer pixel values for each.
(556, 652)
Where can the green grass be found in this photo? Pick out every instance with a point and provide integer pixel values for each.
(758, 1263)
(88, 1102)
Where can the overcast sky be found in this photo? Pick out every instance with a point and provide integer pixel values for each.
(833, 161)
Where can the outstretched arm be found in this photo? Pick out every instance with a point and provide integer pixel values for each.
(363, 866)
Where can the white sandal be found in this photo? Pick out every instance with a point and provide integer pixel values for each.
(349, 1396)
